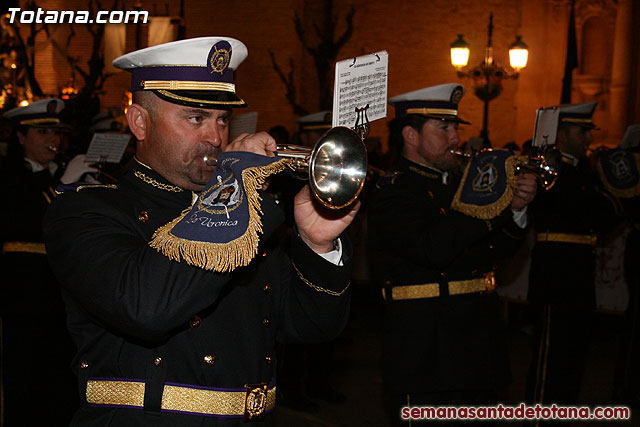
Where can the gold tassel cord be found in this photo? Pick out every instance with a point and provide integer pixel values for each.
(222, 257)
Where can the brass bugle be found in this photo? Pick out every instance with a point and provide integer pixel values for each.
(458, 152)
(544, 165)
(336, 167)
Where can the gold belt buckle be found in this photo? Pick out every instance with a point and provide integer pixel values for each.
(490, 281)
(255, 402)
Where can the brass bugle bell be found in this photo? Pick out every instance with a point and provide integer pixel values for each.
(544, 163)
(336, 167)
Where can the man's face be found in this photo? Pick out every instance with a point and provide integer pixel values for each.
(179, 138)
(40, 144)
(576, 140)
(435, 141)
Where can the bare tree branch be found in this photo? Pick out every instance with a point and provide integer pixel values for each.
(324, 53)
(289, 85)
(301, 34)
(348, 32)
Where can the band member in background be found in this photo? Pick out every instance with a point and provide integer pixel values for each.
(36, 347)
(568, 218)
(443, 340)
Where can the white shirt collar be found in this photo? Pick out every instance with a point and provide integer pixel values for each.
(37, 167)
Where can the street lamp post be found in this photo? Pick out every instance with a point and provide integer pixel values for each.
(488, 75)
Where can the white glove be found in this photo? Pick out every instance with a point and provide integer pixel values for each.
(76, 168)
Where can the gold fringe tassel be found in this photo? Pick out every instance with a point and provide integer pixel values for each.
(222, 257)
(494, 209)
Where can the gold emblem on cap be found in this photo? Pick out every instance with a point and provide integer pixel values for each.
(220, 60)
(51, 107)
(456, 96)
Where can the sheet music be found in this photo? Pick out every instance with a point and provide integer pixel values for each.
(107, 147)
(546, 127)
(242, 123)
(358, 82)
(631, 137)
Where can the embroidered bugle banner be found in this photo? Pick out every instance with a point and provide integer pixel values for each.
(221, 230)
(619, 172)
(487, 185)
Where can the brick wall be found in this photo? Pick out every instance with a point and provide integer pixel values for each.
(416, 33)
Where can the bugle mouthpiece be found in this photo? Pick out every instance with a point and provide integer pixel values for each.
(458, 152)
(210, 161)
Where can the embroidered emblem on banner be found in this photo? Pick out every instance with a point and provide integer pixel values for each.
(487, 185)
(619, 172)
(221, 230)
(486, 178)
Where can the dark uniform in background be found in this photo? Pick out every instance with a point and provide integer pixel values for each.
(161, 342)
(443, 322)
(36, 347)
(568, 219)
(619, 172)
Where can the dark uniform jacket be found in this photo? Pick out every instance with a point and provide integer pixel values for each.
(564, 272)
(36, 347)
(135, 314)
(447, 342)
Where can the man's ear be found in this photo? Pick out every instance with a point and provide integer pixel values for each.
(410, 135)
(138, 118)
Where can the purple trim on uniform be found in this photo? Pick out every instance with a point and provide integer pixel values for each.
(134, 380)
(173, 411)
(402, 107)
(269, 386)
(198, 74)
